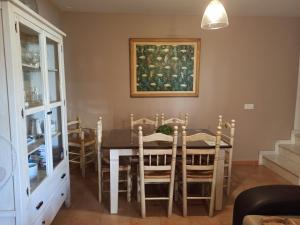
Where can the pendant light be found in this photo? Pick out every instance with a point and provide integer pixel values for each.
(214, 16)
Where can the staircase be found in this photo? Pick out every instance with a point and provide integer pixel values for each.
(285, 160)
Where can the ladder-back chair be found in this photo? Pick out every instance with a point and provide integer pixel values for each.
(82, 144)
(199, 166)
(143, 122)
(104, 168)
(228, 131)
(175, 121)
(157, 166)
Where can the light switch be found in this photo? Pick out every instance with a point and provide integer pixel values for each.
(249, 106)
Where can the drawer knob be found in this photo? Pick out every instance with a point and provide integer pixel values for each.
(63, 176)
(62, 194)
(39, 205)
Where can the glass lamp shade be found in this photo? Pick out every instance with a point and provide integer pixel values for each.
(215, 16)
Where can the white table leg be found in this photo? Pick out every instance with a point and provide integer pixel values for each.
(114, 181)
(220, 181)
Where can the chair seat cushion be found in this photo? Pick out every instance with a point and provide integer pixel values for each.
(157, 174)
(199, 174)
(77, 141)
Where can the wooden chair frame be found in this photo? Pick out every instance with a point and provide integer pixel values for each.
(157, 168)
(101, 160)
(229, 129)
(81, 156)
(206, 170)
(174, 120)
(143, 121)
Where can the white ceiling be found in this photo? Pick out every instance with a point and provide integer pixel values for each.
(286, 8)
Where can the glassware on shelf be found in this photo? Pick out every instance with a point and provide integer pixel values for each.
(33, 97)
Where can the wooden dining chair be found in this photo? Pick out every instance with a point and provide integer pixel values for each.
(143, 122)
(175, 121)
(82, 144)
(158, 168)
(228, 131)
(104, 168)
(199, 166)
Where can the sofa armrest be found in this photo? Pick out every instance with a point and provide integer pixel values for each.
(267, 200)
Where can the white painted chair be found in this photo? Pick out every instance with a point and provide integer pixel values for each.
(82, 144)
(228, 131)
(157, 166)
(175, 121)
(104, 168)
(143, 122)
(199, 166)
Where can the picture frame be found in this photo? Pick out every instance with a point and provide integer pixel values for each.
(164, 67)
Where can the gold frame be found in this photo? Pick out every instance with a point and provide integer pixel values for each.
(158, 41)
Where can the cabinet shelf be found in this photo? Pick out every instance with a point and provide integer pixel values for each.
(33, 147)
(53, 70)
(33, 110)
(30, 67)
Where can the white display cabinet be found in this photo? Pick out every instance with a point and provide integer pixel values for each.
(33, 96)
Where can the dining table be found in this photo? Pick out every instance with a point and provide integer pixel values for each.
(124, 142)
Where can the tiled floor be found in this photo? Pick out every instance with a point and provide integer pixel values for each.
(85, 208)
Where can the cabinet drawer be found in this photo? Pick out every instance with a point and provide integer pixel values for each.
(38, 205)
(60, 176)
(50, 209)
(59, 198)
(45, 218)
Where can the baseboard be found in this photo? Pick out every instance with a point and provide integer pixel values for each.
(245, 162)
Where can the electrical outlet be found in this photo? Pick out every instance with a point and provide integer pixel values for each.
(249, 106)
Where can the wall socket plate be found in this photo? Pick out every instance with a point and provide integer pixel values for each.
(249, 106)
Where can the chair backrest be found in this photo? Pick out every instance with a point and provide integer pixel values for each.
(174, 120)
(228, 130)
(74, 126)
(143, 121)
(200, 159)
(99, 133)
(158, 159)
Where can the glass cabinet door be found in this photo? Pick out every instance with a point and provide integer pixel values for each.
(36, 148)
(40, 57)
(53, 71)
(31, 67)
(56, 136)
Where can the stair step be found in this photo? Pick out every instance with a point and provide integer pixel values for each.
(288, 169)
(292, 148)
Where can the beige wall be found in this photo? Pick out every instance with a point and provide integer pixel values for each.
(255, 60)
(50, 12)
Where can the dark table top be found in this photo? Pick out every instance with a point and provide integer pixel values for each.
(128, 139)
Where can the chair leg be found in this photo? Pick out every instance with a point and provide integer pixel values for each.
(129, 185)
(184, 197)
(143, 200)
(99, 172)
(171, 195)
(82, 161)
(212, 199)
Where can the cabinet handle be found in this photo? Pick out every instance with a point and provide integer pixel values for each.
(39, 205)
(62, 194)
(63, 176)
(43, 222)
(49, 113)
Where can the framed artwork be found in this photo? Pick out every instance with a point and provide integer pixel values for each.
(164, 67)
